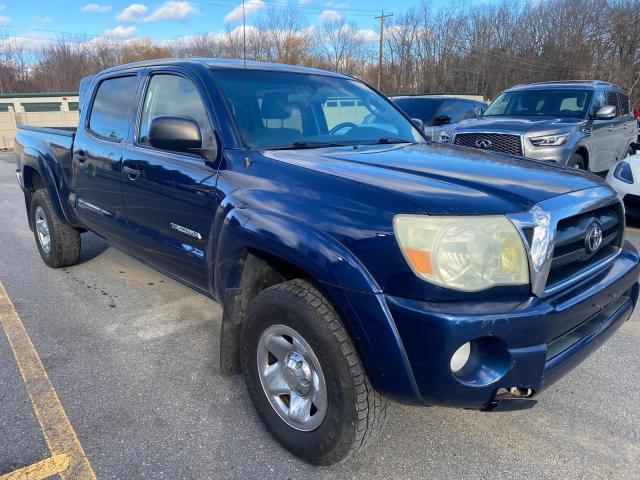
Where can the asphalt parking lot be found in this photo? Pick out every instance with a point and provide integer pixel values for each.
(133, 358)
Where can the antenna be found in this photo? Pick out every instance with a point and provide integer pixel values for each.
(244, 37)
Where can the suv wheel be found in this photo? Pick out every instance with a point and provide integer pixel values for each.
(577, 161)
(58, 243)
(304, 376)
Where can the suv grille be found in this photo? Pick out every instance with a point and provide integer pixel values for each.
(498, 142)
(570, 254)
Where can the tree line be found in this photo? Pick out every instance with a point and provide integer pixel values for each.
(461, 48)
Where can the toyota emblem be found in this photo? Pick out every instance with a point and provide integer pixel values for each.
(593, 239)
(484, 144)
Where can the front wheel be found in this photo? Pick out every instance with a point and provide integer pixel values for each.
(58, 243)
(305, 377)
(577, 161)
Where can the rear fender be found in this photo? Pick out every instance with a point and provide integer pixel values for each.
(31, 158)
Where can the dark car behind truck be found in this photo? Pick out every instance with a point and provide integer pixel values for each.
(355, 262)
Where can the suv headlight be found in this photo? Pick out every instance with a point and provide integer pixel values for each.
(466, 253)
(623, 172)
(549, 140)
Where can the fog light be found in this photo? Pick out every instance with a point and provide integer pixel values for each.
(461, 357)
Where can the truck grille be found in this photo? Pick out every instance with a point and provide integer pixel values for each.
(498, 142)
(571, 256)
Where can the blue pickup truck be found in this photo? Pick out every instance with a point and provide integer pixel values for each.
(356, 263)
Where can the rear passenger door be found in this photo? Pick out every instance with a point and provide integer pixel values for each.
(169, 196)
(629, 126)
(97, 156)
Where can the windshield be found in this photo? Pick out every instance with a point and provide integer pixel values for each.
(292, 110)
(560, 102)
(422, 108)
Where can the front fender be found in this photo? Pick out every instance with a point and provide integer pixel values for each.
(322, 257)
(348, 284)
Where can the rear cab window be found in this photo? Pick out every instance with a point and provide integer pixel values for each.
(109, 116)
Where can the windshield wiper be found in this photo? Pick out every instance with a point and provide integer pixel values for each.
(389, 140)
(305, 144)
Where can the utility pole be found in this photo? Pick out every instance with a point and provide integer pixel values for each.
(382, 16)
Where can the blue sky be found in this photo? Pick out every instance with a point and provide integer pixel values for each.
(168, 19)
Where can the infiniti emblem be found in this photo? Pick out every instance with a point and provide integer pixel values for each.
(593, 239)
(483, 144)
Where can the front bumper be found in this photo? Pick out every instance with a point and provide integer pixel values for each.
(527, 343)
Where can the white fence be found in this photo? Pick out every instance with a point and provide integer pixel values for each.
(40, 110)
(10, 120)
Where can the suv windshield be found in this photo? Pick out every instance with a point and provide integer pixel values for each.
(560, 102)
(293, 110)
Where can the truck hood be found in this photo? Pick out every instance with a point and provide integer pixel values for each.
(517, 125)
(444, 179)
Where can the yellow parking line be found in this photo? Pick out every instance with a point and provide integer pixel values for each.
(41, 470)
(58, 432)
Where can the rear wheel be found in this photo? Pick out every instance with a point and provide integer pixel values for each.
(577, 161)
(304, 375)
(58, 243)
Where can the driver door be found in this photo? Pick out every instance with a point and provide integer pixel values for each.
(601, 142)
(169, 196)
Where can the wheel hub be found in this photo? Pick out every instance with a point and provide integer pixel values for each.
(42, 228)
(296, 373)
(292, 378)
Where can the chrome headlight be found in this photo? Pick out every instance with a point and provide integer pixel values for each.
(469, 253)
(623, 172)
(549, 140)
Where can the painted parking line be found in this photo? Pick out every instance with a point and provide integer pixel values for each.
(58, 432)
(43, 469)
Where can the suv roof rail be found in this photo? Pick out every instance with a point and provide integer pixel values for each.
(584, 82)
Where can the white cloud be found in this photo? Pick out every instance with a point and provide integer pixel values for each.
(133, 13)
(251, 7)
(304, 2)
(4, 20)
(330, 16)
(120, 32)
(172, 10)
(368, 35)
(96, 8)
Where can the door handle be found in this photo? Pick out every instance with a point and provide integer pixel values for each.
(132, 173)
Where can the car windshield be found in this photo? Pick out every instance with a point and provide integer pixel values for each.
(294, 110)
(559, 102)
(422, 108)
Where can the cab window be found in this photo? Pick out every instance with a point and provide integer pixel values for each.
(175, 96)
(109, 117)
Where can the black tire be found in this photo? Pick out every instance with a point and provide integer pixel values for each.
(64, 246)
(577, 161)
(355, 412)
(630, 151)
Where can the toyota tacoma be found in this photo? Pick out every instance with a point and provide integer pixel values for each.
(356, 263)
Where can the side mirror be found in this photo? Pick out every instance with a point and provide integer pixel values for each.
(418, 123)
(606, 113)
(441, 120)
(176, 134)
(478, 112)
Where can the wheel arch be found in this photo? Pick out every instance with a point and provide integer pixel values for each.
(583, 151)
(249, 265)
